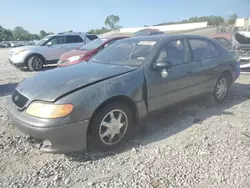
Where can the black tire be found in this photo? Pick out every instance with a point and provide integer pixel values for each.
(217, 98)
(95, 141)
(35, 63)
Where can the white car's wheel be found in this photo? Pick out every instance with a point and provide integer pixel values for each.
(35, 63)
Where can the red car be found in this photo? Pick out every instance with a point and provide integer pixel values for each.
(85, 52)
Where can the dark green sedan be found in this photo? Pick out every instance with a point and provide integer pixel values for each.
(97, 103)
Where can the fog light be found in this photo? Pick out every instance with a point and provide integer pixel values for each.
(46, 144)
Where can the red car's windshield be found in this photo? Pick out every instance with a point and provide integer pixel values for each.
(93, 44)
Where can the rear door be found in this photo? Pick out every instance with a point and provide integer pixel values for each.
(166, 87)
(73, 42)
(208, 55)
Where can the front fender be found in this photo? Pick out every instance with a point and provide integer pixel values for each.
(88, 99)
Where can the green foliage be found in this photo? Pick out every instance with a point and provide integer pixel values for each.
(5, 34)
(20, 34)
(232, 19)
(43, 34)
(112, 22)
(98, 31)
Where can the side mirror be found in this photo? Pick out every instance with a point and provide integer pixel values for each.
(49, 44)
(163, 65)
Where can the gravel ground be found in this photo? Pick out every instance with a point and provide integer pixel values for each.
(198, 145)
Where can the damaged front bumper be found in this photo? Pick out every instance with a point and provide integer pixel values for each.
(59, 138)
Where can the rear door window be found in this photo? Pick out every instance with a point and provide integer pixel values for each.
(200, 49)
(214, 51)
(73, 39)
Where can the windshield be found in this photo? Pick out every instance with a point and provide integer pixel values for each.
(93, 44)
(125, 52)
(43, 40)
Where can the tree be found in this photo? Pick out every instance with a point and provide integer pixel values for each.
(5, 34)
(70, 31)
(211, 20)
(112, 22)
(98, 31)
(232, 19)
(34, 37)
(20, 34)
(43, 34)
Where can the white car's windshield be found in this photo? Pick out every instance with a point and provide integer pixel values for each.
(93, 44)
(43, 40)
(125, 52)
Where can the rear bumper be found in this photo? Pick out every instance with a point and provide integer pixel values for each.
(61, 138)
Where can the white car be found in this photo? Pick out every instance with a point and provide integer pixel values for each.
(48, 50)
(14, 44)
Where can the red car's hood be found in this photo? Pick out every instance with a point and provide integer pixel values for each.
(75, 52)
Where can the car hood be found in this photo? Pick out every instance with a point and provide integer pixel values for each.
(51, 84)
(71, 53)
(31, 47)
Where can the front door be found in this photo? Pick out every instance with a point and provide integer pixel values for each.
(55, 48)
(175, 84)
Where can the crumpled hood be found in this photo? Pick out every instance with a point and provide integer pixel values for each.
(50, 85)
(242, 37)
(71, 53)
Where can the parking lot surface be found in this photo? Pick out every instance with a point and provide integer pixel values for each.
(199, 144)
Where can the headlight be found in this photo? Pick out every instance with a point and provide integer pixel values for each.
(75, 58)
(49, 110)
(19, 51)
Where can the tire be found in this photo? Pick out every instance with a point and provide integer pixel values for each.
(97, 128)
(35, 63)
(220, 95)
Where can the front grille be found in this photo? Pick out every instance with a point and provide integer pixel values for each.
(18, 99)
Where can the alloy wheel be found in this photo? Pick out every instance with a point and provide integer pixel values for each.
(221, 89)
(113, 127)
(37, 63)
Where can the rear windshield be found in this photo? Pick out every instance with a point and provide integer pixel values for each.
(93, 44)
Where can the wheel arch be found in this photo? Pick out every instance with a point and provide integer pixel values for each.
(122, 99)
(229, 74)
(34, 54)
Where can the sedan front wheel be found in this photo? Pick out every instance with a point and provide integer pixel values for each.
(110, 127)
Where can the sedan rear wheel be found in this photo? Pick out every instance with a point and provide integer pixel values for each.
(110, 127)
(221, 89)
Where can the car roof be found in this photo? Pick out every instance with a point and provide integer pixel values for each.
(166, 36)
(72, 33)
(114, 37)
